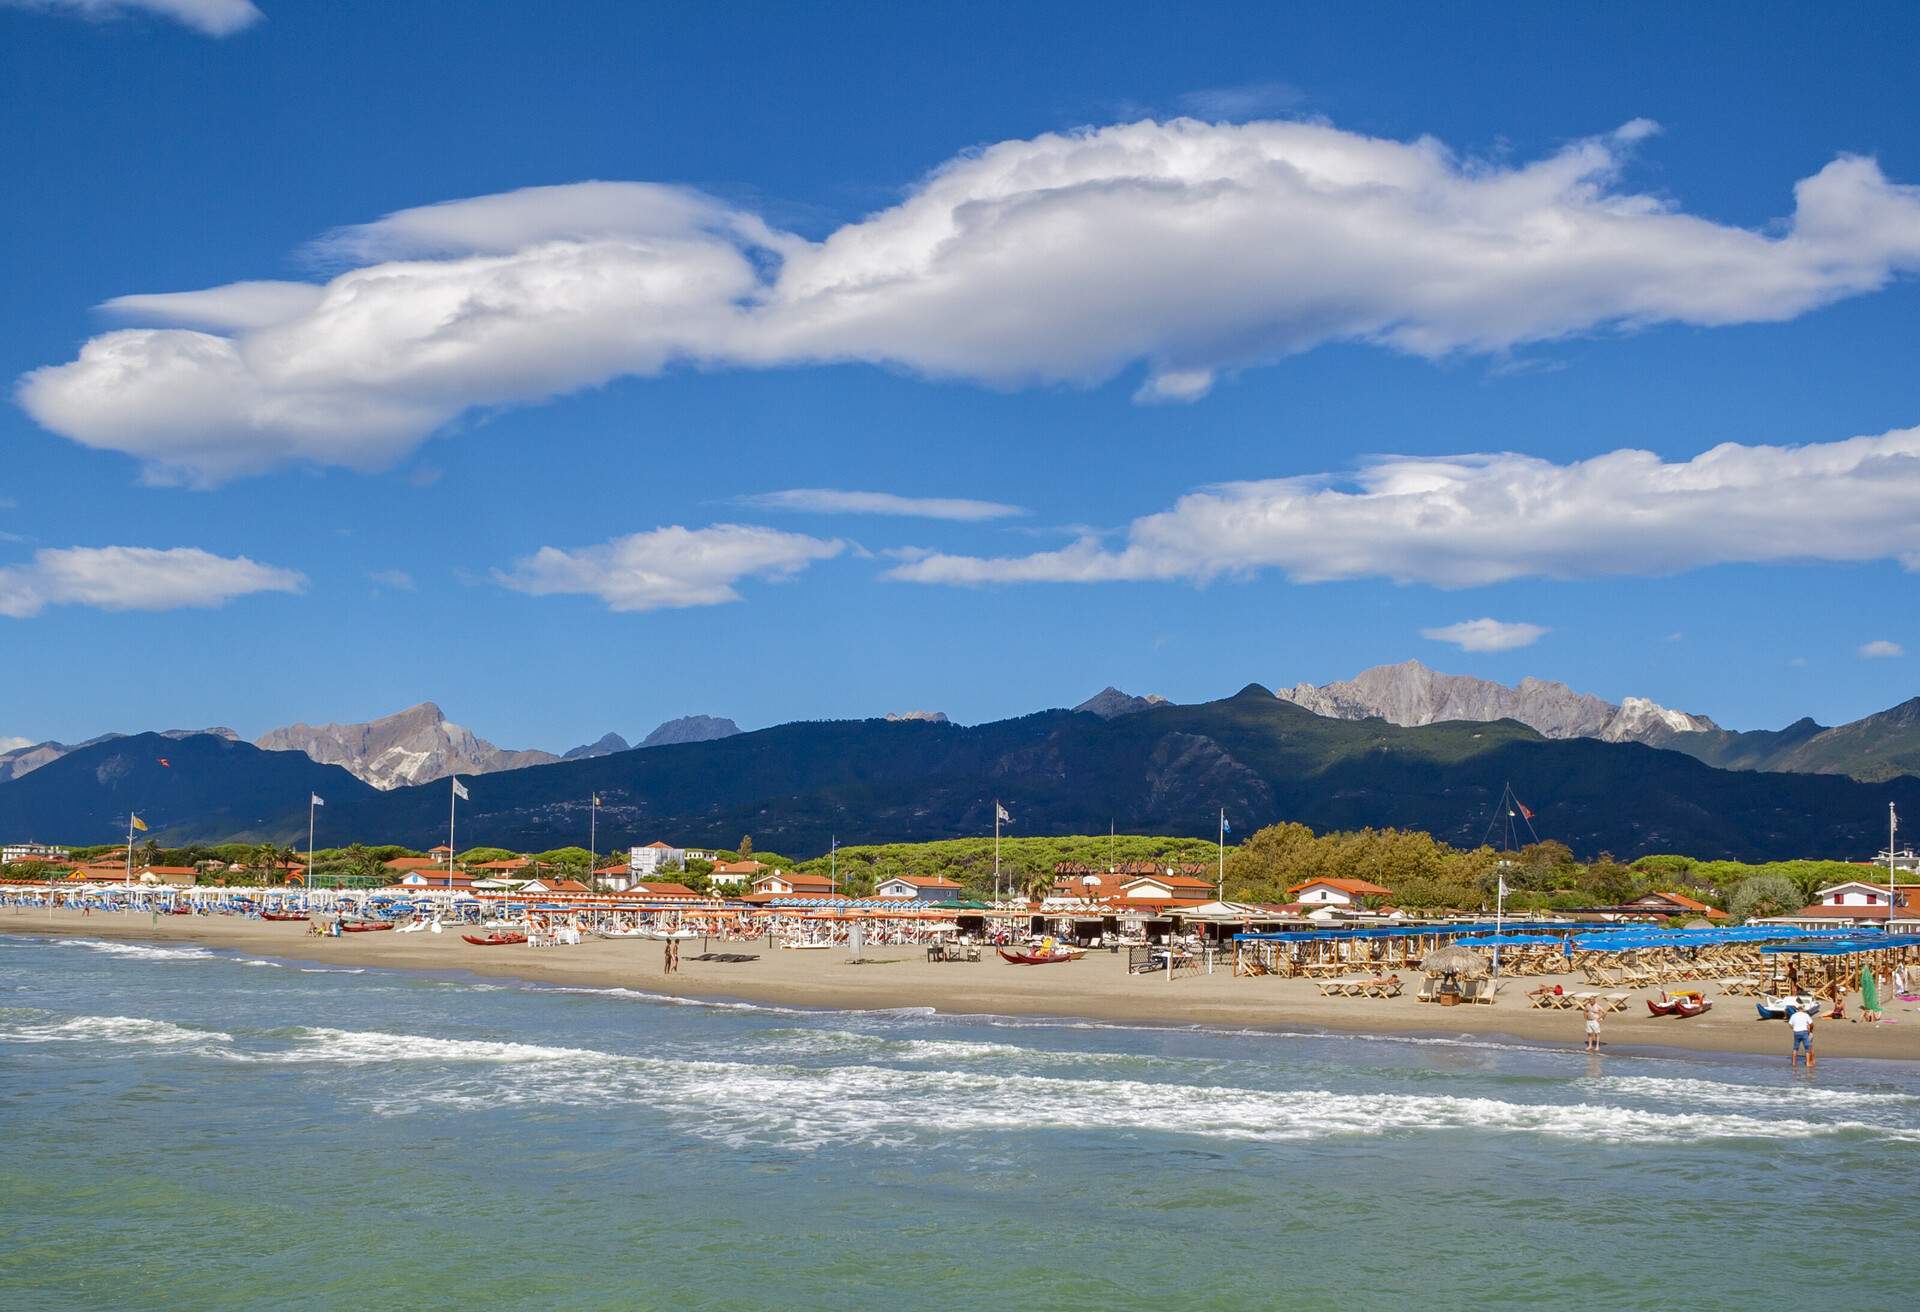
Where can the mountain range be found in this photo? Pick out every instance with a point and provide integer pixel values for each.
(413, 746)
(1164, 769)
(1879, 746)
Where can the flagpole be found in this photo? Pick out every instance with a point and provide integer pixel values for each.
(1893, 825)
(996, 849)
(1222, 893)
(593, 840)
(130, 819)
(833, 864)
(309, 879)
(452, 800)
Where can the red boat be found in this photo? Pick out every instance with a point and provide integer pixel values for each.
(494, 940)
(1035, 958)
(283, 915)
(365, 926)
(1686, 1002)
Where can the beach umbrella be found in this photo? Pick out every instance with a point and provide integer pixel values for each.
(1464, 962)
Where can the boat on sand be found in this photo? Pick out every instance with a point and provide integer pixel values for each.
(1680, 1002)
(494, 940)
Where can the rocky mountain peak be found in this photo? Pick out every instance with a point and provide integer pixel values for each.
(414, 746)
(691, 729)
(930, 717)
(1110, 702)
(606, 745)
(1410, 693)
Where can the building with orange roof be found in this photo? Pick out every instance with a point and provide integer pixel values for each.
(1316, 893)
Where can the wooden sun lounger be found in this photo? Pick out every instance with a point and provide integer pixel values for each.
(1617, 1001)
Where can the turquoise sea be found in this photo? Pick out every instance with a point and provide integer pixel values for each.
(187, 1128)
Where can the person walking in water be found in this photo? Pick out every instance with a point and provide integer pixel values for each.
(1800, 1021)
(1593, 1011)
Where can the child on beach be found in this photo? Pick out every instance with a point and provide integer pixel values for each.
(1593, 1011)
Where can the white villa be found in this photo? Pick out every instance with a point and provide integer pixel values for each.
(654, 858)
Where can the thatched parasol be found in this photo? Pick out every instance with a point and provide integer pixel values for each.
(1698, 923)
(1464, 962)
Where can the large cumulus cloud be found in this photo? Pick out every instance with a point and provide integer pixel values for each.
(1183, 247)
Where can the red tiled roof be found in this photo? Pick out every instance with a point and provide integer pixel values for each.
(922, 881)
(663, 890)
(1357, 887)
(1682, 900)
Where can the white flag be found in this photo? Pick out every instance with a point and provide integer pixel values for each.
(319, 800)
(1000, 814)
(1503, 886)
(460, 790)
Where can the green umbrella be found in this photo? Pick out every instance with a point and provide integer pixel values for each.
(1869, 992)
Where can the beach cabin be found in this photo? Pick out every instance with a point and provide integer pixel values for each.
(1167, 888)
(568, 886)
(784, 883)
(659, 892)
(1668, 904)
(431, 878)
(1318, 894)
(919, 888)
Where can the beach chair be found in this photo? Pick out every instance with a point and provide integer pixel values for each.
(1425, 992)
(1616, 1001)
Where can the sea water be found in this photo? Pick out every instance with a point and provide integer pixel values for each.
(186, 1127)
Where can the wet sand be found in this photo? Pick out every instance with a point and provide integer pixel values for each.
(1097, 987)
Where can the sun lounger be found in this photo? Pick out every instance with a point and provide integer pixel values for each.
(1616, 1001)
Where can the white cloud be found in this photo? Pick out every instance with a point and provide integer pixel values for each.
(833, 501)
(1464, 521)
(669, 567)
(1880, 649)
(211, 17)
(135, 578)
(14, 744)
(396, 579)
(1189, 248)
(1486, 635)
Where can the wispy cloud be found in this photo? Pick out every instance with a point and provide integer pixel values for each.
(833, 501)
(135, 578)
(209, 17)
(1486, 635)
(1184, 249)
(1464, 521)
(1247, 100)
(667, 568)
(14, 744)
(1881, 649)
(397, 580)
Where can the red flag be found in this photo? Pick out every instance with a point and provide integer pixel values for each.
(1523, 808)
(164, 761)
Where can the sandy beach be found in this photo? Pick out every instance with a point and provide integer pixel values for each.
(1097, 987)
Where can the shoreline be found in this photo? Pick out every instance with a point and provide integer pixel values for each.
(1096, 988)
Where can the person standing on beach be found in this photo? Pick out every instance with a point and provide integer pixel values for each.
(1593, 1010)
(1800, 1021)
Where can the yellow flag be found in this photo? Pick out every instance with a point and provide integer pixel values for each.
(138, 823)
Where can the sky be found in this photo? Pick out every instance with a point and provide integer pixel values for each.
(580, 367)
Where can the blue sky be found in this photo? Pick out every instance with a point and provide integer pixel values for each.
(1551, 278)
